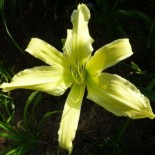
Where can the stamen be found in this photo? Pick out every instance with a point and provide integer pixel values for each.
(78, 73)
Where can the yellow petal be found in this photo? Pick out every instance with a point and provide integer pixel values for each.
(45, 52)
(109, 55)
(78, 45)
(70, 117)
(45, 78)
(119, 96)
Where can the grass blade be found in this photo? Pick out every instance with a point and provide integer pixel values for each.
(6, 27)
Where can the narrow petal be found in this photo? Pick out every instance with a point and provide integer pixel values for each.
(78, 44)
(119, 96)
(45, 78)
(109, 55)
(70, 117)
(45, 52)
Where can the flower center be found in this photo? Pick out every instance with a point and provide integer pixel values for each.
(78, 73)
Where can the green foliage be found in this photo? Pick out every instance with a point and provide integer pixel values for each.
(118, 136)
(21, 143)
(7, 106)
(105, 17)
(6, 27)
(136, 68)
(28, 120)
(28, 134)
(112, 19)
(5, 72)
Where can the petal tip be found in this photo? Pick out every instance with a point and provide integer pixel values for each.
(82, 9)
(3, 86)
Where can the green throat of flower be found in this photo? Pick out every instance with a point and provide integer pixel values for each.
(78, 73)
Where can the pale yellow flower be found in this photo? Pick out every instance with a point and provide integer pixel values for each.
(78, 69)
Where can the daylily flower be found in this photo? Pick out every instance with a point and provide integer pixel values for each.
(78, 69)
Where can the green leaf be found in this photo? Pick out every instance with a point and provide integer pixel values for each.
(136, 68)
(6, 27)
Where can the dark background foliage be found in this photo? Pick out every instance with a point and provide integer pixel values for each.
(99, 132)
